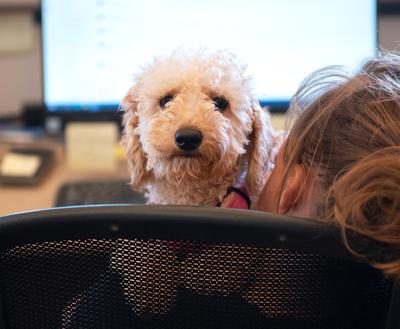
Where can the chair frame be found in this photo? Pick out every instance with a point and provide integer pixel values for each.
(202, 224)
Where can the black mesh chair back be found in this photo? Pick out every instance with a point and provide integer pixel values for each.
(184, 268)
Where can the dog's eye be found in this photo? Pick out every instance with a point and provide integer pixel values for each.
(220, 103)
(166, 99)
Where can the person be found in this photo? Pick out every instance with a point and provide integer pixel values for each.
(340, 161)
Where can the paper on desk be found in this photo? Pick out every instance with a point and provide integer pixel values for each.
(91, 146)
(16, 31)
(20, 165)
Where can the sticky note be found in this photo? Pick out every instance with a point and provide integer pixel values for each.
(19, 165)
(91, 146)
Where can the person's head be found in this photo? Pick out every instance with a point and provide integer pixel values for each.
(341, 159)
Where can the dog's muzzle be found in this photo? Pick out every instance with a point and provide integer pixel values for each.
(188, 139)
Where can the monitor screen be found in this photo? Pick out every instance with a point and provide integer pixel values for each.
(91, 48)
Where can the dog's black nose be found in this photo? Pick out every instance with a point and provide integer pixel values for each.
(188, 139)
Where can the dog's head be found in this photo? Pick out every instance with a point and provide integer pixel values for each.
(193, 117)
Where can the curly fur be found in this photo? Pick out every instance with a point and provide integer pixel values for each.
(236, 143)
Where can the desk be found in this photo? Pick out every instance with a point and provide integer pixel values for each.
(23, 198)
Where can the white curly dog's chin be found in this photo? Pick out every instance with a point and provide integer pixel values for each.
(184, 170)
(196, 179)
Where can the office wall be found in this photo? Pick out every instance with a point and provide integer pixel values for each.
(20, 77)
(20, 72)
(389, 32)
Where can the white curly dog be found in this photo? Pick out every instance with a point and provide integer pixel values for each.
(193, 128)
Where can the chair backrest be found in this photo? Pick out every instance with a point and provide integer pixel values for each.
(184, 267)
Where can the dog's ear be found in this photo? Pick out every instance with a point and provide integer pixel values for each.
(260, 148)
(131, 141)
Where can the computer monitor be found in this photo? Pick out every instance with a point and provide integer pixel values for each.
(91, 48)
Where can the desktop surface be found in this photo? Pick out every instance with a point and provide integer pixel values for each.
(24, 198)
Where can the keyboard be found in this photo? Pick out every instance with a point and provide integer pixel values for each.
(97, 192)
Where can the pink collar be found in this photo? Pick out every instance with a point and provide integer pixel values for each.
(237, 198)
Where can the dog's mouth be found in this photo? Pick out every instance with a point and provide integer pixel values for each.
(189, 154)
(179, 154)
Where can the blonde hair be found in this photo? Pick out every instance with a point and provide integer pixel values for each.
(347, 134)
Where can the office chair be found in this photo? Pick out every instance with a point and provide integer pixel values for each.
(185, 268)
